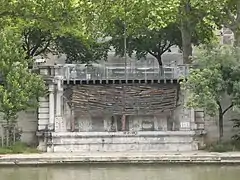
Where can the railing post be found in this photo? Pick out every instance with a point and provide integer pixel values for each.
(126, 72)
(163, 73)
(174, 70)
(159, 72)
(106, 72)
(187, 69)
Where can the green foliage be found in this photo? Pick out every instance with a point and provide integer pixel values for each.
(223, 146)
(20, 88)
(79, 50)
(49, 14)
(18, 148)
(154, 42)
(236, 125)
(36, 41)
(153, 26)
(227, 13)
(217, 74)
(10, 134)
(136, 14)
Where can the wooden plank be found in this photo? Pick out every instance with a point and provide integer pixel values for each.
(128, 98)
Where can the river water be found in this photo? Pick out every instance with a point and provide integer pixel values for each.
(122, 172)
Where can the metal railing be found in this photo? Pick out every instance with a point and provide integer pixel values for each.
(118, 71)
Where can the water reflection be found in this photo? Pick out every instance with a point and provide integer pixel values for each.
(122, 172)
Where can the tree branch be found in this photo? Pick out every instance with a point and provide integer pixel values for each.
(229, 107)
(43, 49)
(162, 46)
(150, 52)
(167, 48)
(219, 106)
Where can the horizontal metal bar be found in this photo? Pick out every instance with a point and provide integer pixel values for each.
(113, 71)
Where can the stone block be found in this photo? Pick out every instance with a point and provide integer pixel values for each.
(185, 125)
(43, 99)
(41, 127)
(150, 141)
(44, 110)
(42, 121)
(43, 116)
(60, 124)
(44, 104)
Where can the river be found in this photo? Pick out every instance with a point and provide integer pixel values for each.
(122, 172)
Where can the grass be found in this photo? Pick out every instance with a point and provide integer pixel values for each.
(18, 148)
(223, 147)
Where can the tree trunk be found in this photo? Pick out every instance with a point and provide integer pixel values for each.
(159, 59)
(186, 32)
(220, 124)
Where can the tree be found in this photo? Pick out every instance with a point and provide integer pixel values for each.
(213, 79)
(134, 14)
(194, 14)
(190, 16)
(20, 88)
(141, 23)
(41, 22)
(156, 41)
(229, 17)
(77, 49)
(153, 42)
(36, 41)
(46, 14)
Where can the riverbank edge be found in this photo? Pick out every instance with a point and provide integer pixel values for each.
(121, 158)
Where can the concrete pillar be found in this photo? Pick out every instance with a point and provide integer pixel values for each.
(51, 107)
(185, 120)
(59, 96)
(60, 123)
(123, 122)
(186, 114)
(43, 113)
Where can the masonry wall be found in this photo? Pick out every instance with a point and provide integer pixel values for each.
(27, 122)
(210, 125)
(122, 142)
(134, 123)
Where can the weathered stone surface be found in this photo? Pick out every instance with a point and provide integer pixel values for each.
(122, 157)
(60, 124)
(122, 141)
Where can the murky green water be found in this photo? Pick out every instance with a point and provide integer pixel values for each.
(121, 172)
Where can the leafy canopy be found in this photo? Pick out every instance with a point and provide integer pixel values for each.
(153, 42)
(79, 50)
(217, 73)
(20, 88)
(136, 14)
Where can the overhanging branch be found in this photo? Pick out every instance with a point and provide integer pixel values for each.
(229, 107)
(153, 54)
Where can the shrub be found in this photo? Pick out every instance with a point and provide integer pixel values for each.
(18, 148)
